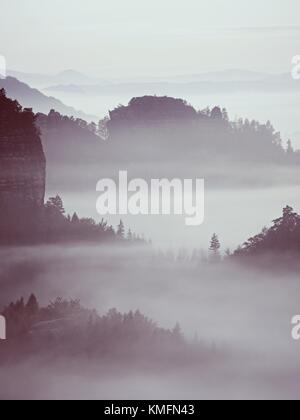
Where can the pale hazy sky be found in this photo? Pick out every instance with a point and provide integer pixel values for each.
(149, 38)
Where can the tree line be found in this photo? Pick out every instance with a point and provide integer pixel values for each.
(207, 133)
(67, 328)
(50, 224)
(283, 237)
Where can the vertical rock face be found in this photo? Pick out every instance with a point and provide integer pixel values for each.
(22, 160)
(22, 169)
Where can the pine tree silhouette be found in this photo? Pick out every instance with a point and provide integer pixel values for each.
(215, 248)
(121, 230)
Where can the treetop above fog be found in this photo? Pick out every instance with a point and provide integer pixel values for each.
(153, 108)
(282, 237)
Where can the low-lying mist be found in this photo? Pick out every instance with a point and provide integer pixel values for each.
(241, 311)
(233, 213)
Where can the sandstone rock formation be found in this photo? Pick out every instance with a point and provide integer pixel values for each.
(22, 173)
(22, 160)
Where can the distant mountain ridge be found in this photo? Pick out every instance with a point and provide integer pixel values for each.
(181, 86)
(226, 80)
(33, 98)
(77, 78)
(39, 80)
(230, 75)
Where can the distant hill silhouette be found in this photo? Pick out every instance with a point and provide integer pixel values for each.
(40, 81)
(33, 98)
(69, 140)
(167, 137)
(223, 82)
(162, 129)
(164, 136)
(175, 130)
(150, 109)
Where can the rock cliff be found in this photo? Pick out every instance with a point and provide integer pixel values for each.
(22, 160)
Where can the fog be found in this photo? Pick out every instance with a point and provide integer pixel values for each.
(241, 314)
(235, 312)
(234, 214)
(244, 313)
(278, 107)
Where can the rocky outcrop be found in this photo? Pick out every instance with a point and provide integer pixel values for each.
(22, 164)
(22, 168)
(152, 109)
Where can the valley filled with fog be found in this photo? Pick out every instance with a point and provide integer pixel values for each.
(108, 305)
(234, 339)
(242, 315)
(234, 214)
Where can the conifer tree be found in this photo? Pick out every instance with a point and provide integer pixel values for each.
(121, 230)
(215, 248)
(32, 305)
